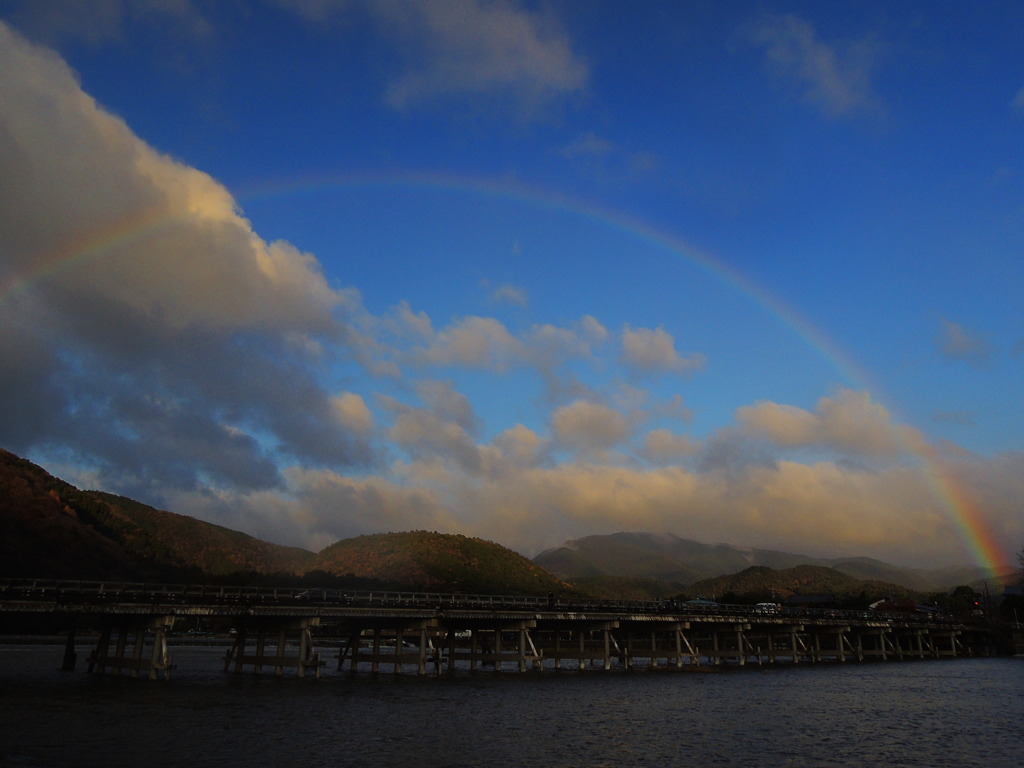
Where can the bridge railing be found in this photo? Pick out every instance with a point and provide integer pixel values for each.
(65, 592)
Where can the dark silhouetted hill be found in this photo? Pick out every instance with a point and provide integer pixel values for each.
(763, 584)
(50, 529)
(436, 562)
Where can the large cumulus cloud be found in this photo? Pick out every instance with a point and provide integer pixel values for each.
(510, 488)
(822, 508)
(144, 324)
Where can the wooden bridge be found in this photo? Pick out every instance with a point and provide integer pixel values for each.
(428, 633)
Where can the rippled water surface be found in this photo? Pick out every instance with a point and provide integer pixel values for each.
(957, 713)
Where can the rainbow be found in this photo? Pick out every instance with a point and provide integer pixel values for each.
(604, 217)
(959, 504)
(86, 245)
(983, 546)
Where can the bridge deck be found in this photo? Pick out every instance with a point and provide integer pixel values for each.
(450, 632)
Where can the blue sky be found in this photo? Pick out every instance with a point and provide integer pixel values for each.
(526, 271)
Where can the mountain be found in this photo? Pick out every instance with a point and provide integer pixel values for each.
(185, 542)
(676, 561)
(49, 528)
(44, 530)
(760, 583)
(627, 555)
(661, 556)
(436, 562)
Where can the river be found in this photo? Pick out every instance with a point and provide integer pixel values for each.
(964, 713)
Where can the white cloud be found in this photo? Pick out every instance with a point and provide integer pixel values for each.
(589, 428)
(458, 47)
(785, 425)
(510, 294)
(818, 509)
(316, 11)
(654, 350)
(822, 509)
(139, 301)
(403, 322)
(850, 422)
(145, 326)
(958, 342)
(587, 145)
(99, 21)
(473, 342)
(835, 77)
(445, 402)
(429, 434)
(521, 446)
(547, 346)
(159, 238)
(662, 446)
(960, 418)
(351, 411)
(1018, 100)
(326, 506)
(487, 344)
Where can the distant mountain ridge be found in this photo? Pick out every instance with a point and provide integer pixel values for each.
(765, 584)
(674, 560)
(50, 529)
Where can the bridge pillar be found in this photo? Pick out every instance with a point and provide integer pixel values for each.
(830, 642)
(388, 644)
(895, 645)
(263, 629)
(653, 640)
(858, 649)
(137, 629)
(880, 645)
(572, 643)
(954, 649)
(70, 655)
(729, 642)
